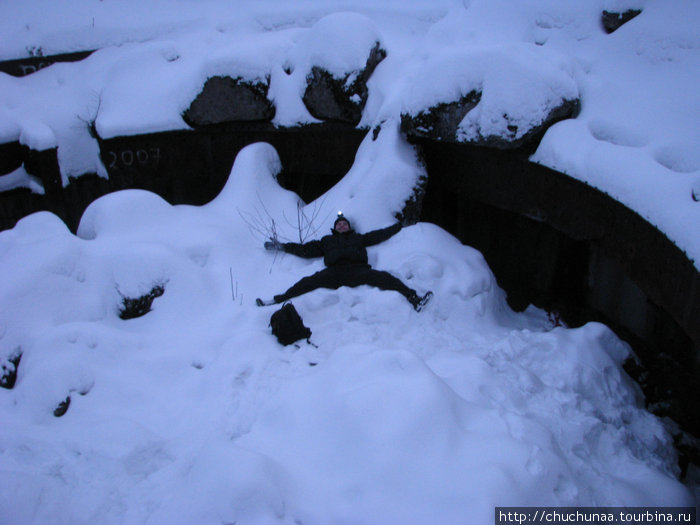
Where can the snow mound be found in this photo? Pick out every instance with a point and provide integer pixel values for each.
(338, 43)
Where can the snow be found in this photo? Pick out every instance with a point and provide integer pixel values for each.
(194, 413)
(20, 179)
(337, 43)
(521, 85)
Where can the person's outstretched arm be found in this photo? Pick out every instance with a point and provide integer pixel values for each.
(308, 250)
(381, 235)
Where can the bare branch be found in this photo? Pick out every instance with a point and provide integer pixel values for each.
(263, 226)
(306, 225)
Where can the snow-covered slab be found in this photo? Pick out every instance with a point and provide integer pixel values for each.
(26, 66)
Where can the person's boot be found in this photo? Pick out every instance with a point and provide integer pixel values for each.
(277, 299)
(419, 302)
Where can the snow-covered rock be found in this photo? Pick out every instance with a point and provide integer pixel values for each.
(225, 99)
(342, 51)
(500, 96)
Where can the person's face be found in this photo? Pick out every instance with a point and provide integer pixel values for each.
(342, 227)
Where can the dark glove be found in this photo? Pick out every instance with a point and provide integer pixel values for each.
(273, 244)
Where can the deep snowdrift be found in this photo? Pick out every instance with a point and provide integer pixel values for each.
(194, 413)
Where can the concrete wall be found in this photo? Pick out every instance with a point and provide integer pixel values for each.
(184, 167)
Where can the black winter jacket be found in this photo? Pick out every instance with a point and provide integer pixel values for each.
(342, 248)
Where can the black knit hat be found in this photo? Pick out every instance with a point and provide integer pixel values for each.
(341, 217)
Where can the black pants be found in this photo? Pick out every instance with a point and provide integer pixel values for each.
(351, 275)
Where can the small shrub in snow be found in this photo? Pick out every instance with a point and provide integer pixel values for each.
(140, 306)
(62, 407)
(9, 371)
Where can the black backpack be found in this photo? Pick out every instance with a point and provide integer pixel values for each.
(287, 325)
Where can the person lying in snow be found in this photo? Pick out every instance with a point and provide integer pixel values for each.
(345, 256)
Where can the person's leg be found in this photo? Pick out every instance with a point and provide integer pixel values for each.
(386, 281)
(378, 279)
(326, 278)
(352, 275)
